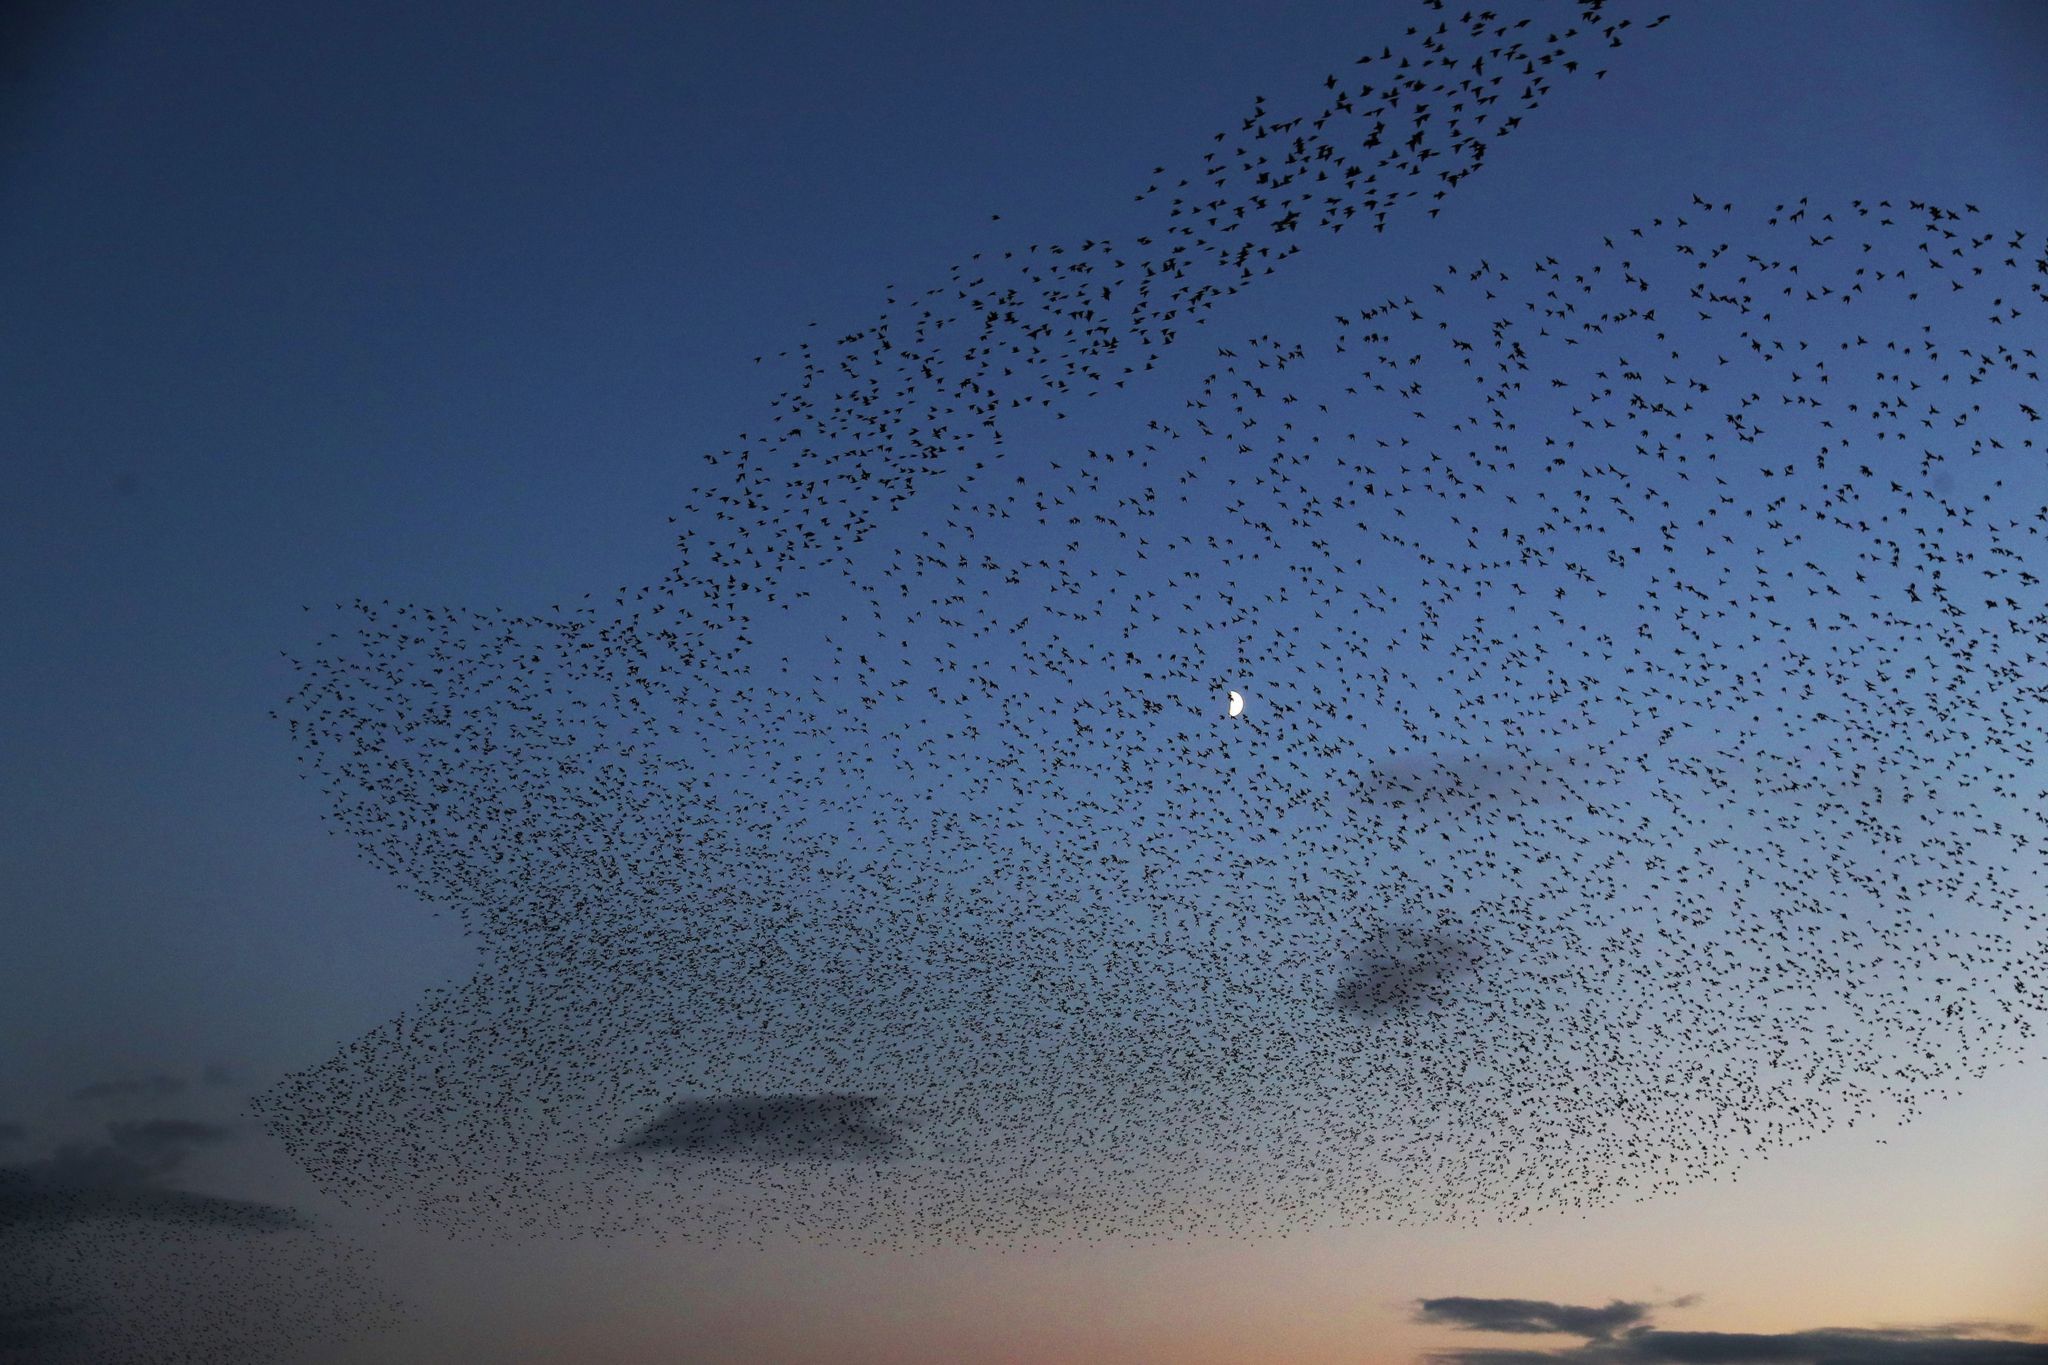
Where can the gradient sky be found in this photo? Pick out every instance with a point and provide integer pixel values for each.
(306, 302)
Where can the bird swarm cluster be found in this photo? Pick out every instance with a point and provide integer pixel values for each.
(1645, 658)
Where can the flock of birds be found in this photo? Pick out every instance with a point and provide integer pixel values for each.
(1640, 659)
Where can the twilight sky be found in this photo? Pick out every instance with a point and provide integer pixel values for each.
(449, 309)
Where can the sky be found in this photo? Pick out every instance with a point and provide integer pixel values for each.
(462, 307)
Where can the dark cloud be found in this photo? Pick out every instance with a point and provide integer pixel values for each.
(164, 1140)
(1531, 1315)
(1402, 967)
(28, 1327)
(1968, 1327)
(1826, 1346)
(1620, 1334)
(128, 1177)
(79, 1185)
(1496, 778)
(12, 1132)
(216, 1074)
(772, 1127)
(155, 1087)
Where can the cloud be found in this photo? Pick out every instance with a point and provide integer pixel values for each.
(1830, 1346)
(12, 1132)
(1405, 968)
(165, 1139)
(1531, 1315)
(29, 1326)
(774, 1127)
(156, 1087)
(80, 1185)
(128, 1177)
(1621, 1334)
(26, 1203)
(1495, 778)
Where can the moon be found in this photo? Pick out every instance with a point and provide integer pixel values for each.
(1236, 703)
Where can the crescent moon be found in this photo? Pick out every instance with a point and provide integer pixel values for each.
(1236, 704)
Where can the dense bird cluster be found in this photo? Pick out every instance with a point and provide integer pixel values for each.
(1643, 665)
